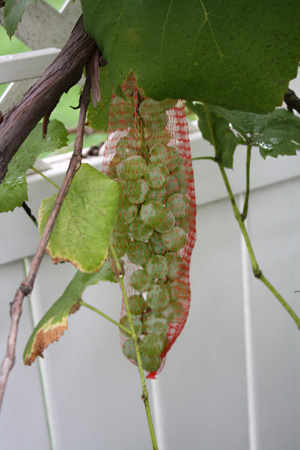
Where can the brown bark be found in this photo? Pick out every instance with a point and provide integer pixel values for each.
(59, 77)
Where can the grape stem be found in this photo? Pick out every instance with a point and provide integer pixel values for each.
(145, 395)
(241, 217)
(110, 319)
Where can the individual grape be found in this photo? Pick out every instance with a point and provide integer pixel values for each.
(153, 345)
(120, 244)
(156, 325)
(137, 304)
(136, 322)
(178, 204)
(179, 291)
(158, 297)
(129, 349)
(153, 213)
(168, 103)
(157, 245)
(185, 222)
(175, 239)
(150, 363)
(141, 281)
(157, 195)
(156, 175)
(182, 179)
(138, 253)
(121, 146)
(127, 214)
(157, 266)
(163, 136)
(120, 229)
(174, 312)
(153, 115)
(136, 191)
(112, 168)
(159, 154)
(140, 231)
(168, 223)
(175, 266)
(175, 159)
(133, 168)
(172, 186)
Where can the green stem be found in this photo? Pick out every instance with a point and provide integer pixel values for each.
(86, 305)
(245, 208)
(255, 267)
(44, 176)
(145, 396)
(212, 158)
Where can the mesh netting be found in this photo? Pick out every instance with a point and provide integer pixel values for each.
(148, 153)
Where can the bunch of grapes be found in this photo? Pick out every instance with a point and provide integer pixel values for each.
(155, 230)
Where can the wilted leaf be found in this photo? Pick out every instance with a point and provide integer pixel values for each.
(239, 55)
(54, 323)
(98, 118)
(85, 222)
(13, 12)
(13, 190)
(276, 133)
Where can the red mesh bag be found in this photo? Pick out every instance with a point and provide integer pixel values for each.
(148, 153)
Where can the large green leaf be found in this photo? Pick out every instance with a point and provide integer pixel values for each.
(13, 12)
(13, 189)
(98, 117)
(239, 55)
(85, 222)
(54, 323)
(276, 133)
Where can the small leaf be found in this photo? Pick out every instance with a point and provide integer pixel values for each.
(54, 323)
(276, 133)
(13, 12)
(13, 190)
(98, 118)
(85, 222)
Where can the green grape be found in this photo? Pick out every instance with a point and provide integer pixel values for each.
(175, 266)
(136, 322)
(162, 136)
(179, 291)
(127, 214)
(157, 245)
(157, 266)
(182, 179)
(178, 204)
(159, 154)
(175, 159)
(157, 195)
(123, 112)
(168, 224)
(120, 244)
(121, 146)
(140, 231)
(174, 312)
(185, 222)
(153, 345)
(168, 103)
(136, 191)
(156, 175)
(153, 213)
(158, 297)
(138, 253)
(175, 239)
(112, 171)
(141, 281)
(137, 304)
(120, 229)
(156, 325)
(129, 349)
(150, 363)
(153, 115)
(172, 186)
(133, 168)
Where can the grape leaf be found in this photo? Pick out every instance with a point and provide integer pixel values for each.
(13, 12)
(276, 133)
(98, 117)
(85, 222)
(238, 55)
(13, 189)
(54, 323)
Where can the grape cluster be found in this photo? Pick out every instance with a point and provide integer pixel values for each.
(153, 222)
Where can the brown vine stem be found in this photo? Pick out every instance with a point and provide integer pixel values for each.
(255, 267)
(27, 285)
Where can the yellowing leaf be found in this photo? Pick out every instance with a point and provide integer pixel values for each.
(85, 222)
